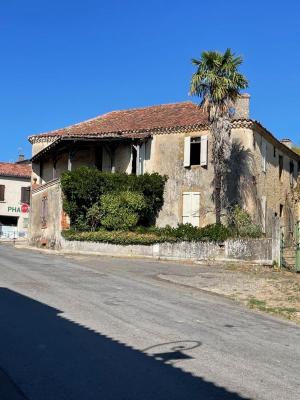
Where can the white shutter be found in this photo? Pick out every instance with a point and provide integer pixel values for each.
(186, 207)
(203, 151)
(264, 155)
(191, 208)
(195, 209)
(187, 151)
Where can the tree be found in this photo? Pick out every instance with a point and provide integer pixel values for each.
(218, 82)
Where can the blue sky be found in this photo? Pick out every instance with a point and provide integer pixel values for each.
(64, 61)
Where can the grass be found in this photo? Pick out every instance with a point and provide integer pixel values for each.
(261, 305)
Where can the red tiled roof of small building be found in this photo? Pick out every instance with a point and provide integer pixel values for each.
(136, 120)
(13, 169)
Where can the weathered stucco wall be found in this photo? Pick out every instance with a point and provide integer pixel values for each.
(166, 158)
(11, 206)
(258, 250)
(45, 225)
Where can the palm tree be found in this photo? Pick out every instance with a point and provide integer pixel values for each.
(218, 82)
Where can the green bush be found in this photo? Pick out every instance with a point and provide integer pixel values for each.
(151, 235)
(242, 224)
(83, 187)
(121, 210)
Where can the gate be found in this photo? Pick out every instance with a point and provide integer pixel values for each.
(290, 247)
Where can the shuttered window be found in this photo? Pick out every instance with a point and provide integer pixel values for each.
(44, 211)
(2, 192)
(195, 151)
(264, 155)
(191, 208)
(25, 195)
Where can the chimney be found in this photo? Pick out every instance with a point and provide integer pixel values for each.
(287, 142)
(242, 107)
(21, 157)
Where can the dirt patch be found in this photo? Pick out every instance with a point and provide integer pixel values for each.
(261, 288)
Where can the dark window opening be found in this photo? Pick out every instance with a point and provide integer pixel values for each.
(254, 142)
(280, 166)
(133, 165)
(98, 158)
(274, 151)
(281, 210)
(25, 195)
(195, 151)
(292, 168)
(8, 221)
(2, 192)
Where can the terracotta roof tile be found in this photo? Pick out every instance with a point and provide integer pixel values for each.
(149, 118)
(13, 169)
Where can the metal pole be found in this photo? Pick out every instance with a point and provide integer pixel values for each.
(298, 247)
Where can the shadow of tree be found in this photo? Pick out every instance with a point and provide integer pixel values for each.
(51, 357)
(239, 184)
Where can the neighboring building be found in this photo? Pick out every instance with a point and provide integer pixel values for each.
(173, 140)
(14, 199)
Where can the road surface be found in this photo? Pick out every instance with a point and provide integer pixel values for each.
(91, 328)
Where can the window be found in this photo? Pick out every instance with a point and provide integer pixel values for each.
(191, 208)
(280, 210)
(44, 211)
(2, 192)
(264, 155)
(292, 168)
(274, 151)
(25, 195)
(195, 151)
(254, 141)
(280, 166)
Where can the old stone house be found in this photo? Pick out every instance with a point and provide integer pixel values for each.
(14, 199)
(173, 140)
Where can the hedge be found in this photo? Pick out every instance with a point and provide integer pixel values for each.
(148, 236)
(83, 187)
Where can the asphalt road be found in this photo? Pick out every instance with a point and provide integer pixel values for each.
(107, 328)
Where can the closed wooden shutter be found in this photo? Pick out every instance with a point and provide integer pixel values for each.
(195, 208)
(203, 151)
(2, 192)
(25, 195)
(191, 208)
(187, 152)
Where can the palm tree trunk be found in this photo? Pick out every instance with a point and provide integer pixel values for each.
(221, 148)
(217, 195)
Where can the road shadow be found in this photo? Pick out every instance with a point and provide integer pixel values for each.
(51, 357)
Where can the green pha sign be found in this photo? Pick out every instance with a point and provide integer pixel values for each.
(14, 209)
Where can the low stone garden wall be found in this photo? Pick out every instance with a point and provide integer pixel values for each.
(255, 250)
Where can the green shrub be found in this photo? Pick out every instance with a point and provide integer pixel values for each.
(242, 224)
(216, 232)
(121, 210)
(93, 216)
(151, 235)
(83, 187)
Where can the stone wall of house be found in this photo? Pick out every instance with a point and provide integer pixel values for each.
(45, 224)
(268, 184)
(11, 206)
(247, 183)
